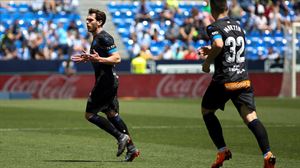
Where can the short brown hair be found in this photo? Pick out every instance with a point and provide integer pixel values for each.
(100, 16)
(219, 6)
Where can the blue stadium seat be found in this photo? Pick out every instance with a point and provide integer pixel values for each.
(23, 7)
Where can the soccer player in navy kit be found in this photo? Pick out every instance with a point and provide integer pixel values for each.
(103, 97)
(230, 81)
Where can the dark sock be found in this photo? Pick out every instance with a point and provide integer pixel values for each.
(261, 135)
(120, 125)
(104, 124)
(214, 129)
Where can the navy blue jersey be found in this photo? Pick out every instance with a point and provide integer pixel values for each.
(103, 97)
(103, 44)
(230, 65)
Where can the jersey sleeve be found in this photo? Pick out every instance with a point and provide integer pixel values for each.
(108, 44)
(213, 33)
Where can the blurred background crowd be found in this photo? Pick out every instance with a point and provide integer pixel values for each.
(154, 30)
(42, 30)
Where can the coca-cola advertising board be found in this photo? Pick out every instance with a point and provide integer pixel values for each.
(155, 85)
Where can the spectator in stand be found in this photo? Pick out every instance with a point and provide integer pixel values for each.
(187, 30)
(201, 21)
(154, 30)
(8, 46)
(286, 19)
(67, 67)
(146, 53)
(35, 40)
(191, 54)
(173, 5)
(136, 48)
(166, 54)
(79, 44)
(247, 5)
(250, 22)
(49, 6)
(62, 37)
(275, 18)
(179, 53)
(37, 5)
(273, 59)
(72, 27)
(236, 11)
(282, 6)
(261, 22)
(144, 38)
(143, 12)
(172, 32)
(167, 13)
(296, 7)
(23, 52)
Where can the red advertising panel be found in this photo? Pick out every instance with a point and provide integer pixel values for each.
(48, 86)
(156, 85)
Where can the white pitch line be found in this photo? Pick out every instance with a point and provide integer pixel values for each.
(138, 127)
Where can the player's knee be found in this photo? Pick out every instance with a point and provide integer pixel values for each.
(206, 111)
(111, 114)
(88, 115)
(250, 117)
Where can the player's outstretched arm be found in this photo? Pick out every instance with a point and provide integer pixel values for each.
(209, 53)
(113, 59)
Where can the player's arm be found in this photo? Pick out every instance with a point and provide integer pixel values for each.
(214, 50)
(209, 53)
(110, 48)
(113, 59)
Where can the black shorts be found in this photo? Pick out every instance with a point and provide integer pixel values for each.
(216, 97)
(103, 97)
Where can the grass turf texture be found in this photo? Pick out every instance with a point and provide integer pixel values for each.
(169, 132)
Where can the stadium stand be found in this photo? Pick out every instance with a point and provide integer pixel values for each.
(53, 30)
(41, 30)
(142, 17)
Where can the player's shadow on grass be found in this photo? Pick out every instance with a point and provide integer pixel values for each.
(82, 161)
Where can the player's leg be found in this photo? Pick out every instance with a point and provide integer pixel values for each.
(113, 116)
(92, 108)
(213, 99)
(216, 134)
(103, 123)
(245, 104)
(107, 126)
(116, 120)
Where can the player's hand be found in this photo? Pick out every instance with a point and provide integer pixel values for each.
(78, 58)
(206, 67)
(203, 52)
(82, 57)
(94, 57)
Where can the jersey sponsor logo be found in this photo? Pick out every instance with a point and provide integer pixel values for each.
(237, 69)
(111, 47)
(215, 33)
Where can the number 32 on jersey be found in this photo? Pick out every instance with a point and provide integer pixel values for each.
(233, 43)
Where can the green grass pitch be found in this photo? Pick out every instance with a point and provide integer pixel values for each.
(169, 132)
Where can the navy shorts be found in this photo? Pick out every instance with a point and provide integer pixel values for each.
(216, 97)
(103, 97)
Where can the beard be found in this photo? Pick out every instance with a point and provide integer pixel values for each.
(91, 28)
